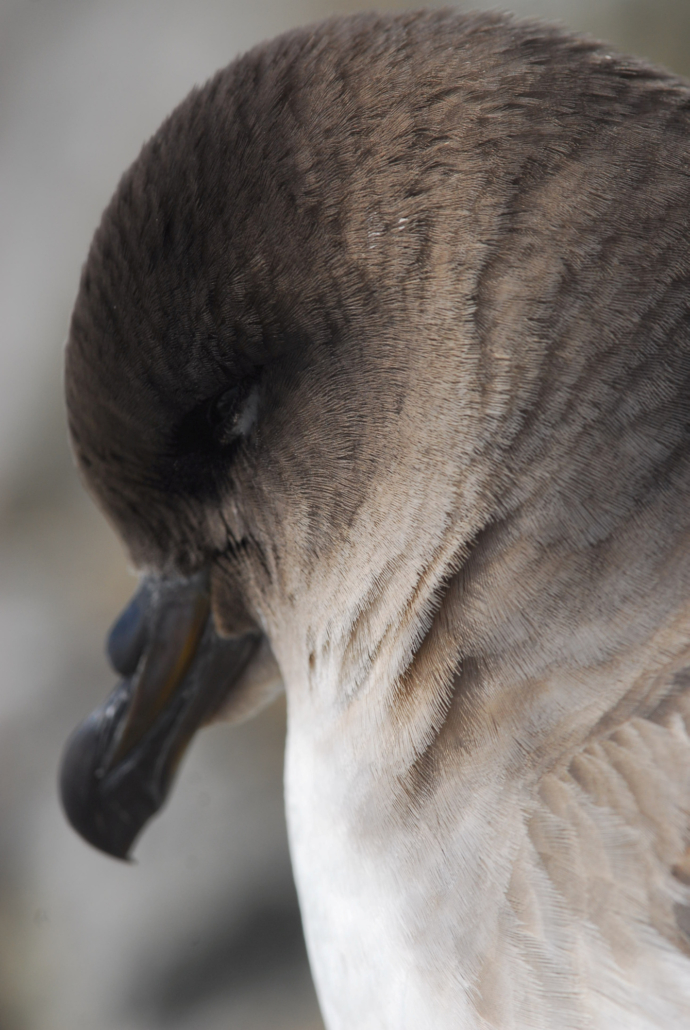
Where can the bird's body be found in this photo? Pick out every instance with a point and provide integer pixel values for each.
(438, 271)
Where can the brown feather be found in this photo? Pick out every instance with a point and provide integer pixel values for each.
(451, 255)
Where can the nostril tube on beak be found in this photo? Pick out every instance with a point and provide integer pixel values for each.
(128, 636)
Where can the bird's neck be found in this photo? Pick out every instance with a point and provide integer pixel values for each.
(446, 845)
(502, 604)
(432, 747)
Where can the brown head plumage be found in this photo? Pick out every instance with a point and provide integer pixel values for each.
(384, 338)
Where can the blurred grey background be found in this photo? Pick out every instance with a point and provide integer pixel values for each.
(203, 931)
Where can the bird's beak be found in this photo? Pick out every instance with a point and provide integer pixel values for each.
(119, 764)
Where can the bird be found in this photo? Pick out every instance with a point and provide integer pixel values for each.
(380, 368)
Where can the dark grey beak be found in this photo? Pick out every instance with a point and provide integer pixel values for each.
(119, 765)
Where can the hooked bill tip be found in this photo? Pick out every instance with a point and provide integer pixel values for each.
(93, 809)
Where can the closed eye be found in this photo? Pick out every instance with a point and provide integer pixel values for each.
(234, 415)
(216, 424)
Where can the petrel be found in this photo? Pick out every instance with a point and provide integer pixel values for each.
(380, 367)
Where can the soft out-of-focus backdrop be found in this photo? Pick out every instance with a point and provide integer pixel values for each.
(203, 931)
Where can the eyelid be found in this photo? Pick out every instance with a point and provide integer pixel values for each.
(239, 421)
(248, 413)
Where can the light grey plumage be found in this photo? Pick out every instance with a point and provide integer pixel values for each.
(388, 329)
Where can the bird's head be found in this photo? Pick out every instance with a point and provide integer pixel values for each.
(329, 338)
(249, 402)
